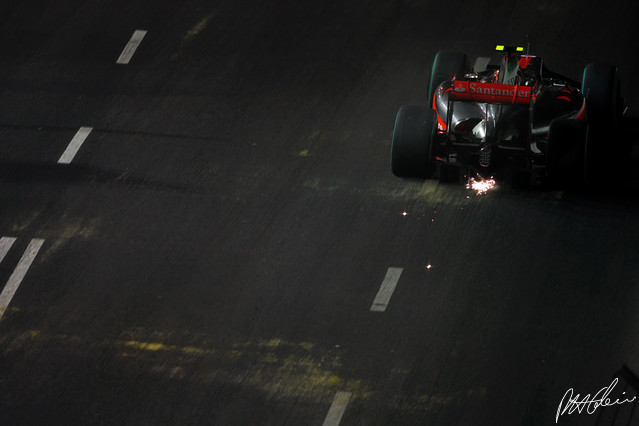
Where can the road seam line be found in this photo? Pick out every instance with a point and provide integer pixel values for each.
(75, 144)
(19, 273)
(131, 47)
(386, 289)
(335, 413)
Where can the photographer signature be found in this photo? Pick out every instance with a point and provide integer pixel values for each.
(570, 403)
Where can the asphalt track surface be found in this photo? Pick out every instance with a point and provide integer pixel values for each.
(212, 252)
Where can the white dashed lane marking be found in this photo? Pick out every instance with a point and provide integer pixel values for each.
(337, 409)
(19, 273)
(386, 290)
(5, 246)
(131, 47)
(74, 145)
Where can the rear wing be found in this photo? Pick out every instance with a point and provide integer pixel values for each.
(490, 93)
(509, 49)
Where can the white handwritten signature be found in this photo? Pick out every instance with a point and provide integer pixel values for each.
(570, 403)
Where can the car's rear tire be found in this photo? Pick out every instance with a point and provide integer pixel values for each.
(567, 141)
(411, 145)
(602, 88)
(445, 66)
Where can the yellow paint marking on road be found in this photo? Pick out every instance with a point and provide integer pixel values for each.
(157, 347)
(25, 221)
(198, 28)
(314, 135)
(68, 228)
(307, 346)
(191, 33)
(276, 343)
(280, 369)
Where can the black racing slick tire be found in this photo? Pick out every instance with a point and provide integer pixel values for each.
(411, 155)
(445, 66)
(602, 88)
(566, 152)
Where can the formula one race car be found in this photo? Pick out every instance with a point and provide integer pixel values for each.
(517, 116)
